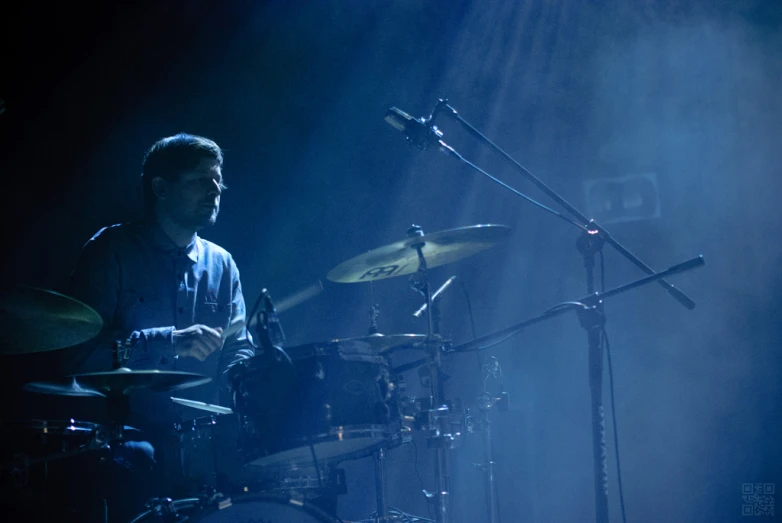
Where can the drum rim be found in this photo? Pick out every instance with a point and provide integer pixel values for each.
(217, 505)
(51, 426)
(196, 424)
(349, 432)
(300, 353)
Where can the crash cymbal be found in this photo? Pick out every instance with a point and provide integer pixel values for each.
(38, 320)
(401, 258)
(200, 405)
(120, 381)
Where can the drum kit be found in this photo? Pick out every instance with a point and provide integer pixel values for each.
(292, 420)
(297, 412)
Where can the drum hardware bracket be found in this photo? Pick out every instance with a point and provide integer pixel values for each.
(121, 352)
(374, 312)
(443, 441)
(161, 506)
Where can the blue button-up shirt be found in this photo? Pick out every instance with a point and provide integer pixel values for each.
(145, 287)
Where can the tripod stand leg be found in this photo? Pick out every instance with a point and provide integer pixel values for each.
(380, 484)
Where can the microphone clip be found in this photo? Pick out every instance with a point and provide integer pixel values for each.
(420, 132)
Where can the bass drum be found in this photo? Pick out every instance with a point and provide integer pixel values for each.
(249, 508)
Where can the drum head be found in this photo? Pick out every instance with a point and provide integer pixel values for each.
(249, 508)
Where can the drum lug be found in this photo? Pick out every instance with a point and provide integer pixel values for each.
(161, 506)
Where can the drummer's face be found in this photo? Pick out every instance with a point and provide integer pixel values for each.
(193, 200)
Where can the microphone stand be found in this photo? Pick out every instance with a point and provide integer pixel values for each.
(487, 401)
(590, 242)
(580, 304)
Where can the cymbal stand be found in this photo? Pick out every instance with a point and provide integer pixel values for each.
(118, 414)
(438, 418)
(379, 459)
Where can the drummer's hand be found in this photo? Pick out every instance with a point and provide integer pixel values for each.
(197, 341)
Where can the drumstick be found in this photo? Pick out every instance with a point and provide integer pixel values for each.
(283, 305)
(299, 297)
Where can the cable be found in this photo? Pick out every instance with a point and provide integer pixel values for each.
(418, 473)
(613, 420)
(472, 321)
(607, 344)
(415, 465)
(518, 193)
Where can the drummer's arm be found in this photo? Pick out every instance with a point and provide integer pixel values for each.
(238, 343)
(95, 281)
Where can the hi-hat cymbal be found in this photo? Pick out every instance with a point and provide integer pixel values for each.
(72, 389)
(401, 258)
(200, 405)
(384, 343)
(120, 381)
(38, 320)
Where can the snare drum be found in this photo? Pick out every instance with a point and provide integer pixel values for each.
(38, 441)
(331, 404)
(244, 508)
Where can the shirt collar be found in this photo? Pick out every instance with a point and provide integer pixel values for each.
(162, 242)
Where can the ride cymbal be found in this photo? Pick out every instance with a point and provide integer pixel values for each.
(401, 258)
(39, 320)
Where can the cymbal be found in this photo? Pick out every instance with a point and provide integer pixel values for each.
(38, 320)
(401, 258)
(382, 343)
(71, 389)
(120, 381)
(200, 405)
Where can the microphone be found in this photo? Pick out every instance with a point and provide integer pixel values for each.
(435, 296)
(270, 331)
(418, 131)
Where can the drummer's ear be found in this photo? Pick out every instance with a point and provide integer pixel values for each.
(160, 187)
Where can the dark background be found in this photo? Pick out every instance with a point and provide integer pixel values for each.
(296, 94)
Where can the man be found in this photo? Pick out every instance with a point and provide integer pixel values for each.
(174, 299)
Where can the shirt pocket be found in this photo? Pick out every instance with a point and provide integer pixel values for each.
(213, 313)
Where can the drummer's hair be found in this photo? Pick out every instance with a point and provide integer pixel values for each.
(171, 156)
